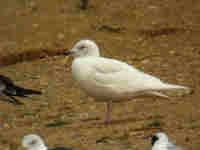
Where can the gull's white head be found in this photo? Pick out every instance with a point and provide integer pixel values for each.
(159, 137)
(33, 142)
(84, 48)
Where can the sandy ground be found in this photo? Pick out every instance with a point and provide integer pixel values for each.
(158, 37)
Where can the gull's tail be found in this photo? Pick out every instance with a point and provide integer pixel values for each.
(170, 87)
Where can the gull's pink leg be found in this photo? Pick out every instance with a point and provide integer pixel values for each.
(109, 110)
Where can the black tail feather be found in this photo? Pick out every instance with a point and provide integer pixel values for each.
(21, 92)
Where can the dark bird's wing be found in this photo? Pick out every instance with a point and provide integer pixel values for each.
(2, 86)
(12, 89)
(8, 88)
(22, 92)
(7, 81)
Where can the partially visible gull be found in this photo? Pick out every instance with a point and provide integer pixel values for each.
(35, 142)
(8, 88)
(160, 141)
(110, 80)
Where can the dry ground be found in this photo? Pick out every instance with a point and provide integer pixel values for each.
(158, 37)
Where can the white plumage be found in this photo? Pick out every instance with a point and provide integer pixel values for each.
(160, 141)
(35, 142)
(111, 80)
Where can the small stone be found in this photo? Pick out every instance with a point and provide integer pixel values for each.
(93, 107)
(26, 41)
(172, 52)
(165, 65)
(60, 36)
(35, 25)
(6, 125)
(91, 99)
(84, 116)
(145, 61)
(152, 7)
(44, 81)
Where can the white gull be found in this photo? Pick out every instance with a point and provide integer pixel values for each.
(35, 142)
(110, 80)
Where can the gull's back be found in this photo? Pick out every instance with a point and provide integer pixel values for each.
(112, 68)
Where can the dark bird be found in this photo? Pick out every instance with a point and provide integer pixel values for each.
(8, 88)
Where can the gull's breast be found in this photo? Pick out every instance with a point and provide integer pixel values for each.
(83, 73)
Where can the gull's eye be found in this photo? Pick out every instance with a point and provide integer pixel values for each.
(82, 47)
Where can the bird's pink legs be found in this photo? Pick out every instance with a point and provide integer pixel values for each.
(109, 110)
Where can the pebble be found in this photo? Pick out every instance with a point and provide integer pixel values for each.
(5, 126)
(60, 36)
(145, 61)
(84, 116)
(35, 25)
(172, 52)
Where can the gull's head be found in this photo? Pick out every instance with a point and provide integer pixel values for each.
(84, 48)
(159, 137)
(33, 142)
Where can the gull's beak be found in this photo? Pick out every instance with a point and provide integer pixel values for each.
(67, 53)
